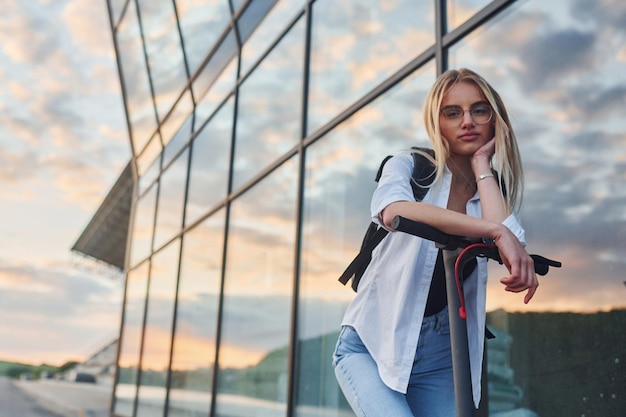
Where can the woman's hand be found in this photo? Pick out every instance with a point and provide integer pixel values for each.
(520, 265)
(481, 159)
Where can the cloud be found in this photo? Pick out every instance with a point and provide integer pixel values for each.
(17, 166)
(550, 57)
(61, 312)
(80, 17)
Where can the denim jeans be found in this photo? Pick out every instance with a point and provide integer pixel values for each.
(431, 388)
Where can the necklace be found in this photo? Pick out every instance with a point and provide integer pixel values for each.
(459, 178)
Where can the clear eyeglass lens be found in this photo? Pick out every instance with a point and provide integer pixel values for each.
(481, 113)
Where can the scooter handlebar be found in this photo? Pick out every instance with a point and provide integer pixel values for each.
(446, 241)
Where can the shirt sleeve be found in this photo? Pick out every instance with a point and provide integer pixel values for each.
(516, 228)
(394, 185)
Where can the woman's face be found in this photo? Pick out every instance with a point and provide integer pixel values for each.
(466, 120)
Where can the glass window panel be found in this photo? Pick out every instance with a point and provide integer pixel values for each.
(158, 331)
(169, 219)
(252, 15)
(340, 172)
(178, 141)
(149, 155)
(559, 67)
(258, 289)
(141, 240)
(237, 4)
(149, 177)
(269, 113)
(215, 96)
(356, 45)
(142, 118)
(268, 31)
(180, 113)
(130, 345)
(459, 11)
(210, 162)
(193, 356)
(165, 54)
(201, 23)
(220, 65)
(117, 6)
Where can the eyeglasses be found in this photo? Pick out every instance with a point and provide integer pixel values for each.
(480, 113)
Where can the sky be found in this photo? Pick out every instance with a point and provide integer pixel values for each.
(63, 143)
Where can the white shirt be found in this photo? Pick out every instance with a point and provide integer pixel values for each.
(389, 306)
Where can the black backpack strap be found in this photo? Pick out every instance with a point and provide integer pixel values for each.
(423, 170)
(360, 262)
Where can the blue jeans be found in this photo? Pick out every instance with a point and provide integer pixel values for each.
(431, 388)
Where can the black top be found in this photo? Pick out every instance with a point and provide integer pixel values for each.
(437, 297)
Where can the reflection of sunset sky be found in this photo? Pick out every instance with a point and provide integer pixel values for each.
(570, 137)
(558, 120)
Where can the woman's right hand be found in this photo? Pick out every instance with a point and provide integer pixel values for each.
(520, 265)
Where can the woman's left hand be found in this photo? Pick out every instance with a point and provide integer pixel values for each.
(481, 159)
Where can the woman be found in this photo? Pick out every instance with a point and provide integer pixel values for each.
(393, 354)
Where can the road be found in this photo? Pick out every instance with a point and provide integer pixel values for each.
(48, 398)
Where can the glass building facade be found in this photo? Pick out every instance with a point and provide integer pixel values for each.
(257, 127)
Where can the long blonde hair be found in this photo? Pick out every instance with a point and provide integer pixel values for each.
(507, 162)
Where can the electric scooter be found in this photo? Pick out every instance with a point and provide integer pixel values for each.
(457, 251)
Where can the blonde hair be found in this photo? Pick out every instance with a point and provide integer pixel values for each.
(507, 163)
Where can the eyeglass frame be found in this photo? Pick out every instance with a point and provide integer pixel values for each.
(462, 112)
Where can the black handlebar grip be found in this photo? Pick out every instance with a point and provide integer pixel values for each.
(542, 264)
(420, 229)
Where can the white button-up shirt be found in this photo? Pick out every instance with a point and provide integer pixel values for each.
(388, 309)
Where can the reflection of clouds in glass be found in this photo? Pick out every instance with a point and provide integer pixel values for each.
(340, 180)
(210, 158)
(458, 11)
(266, 32)
(170, 206)
(135, 78)
(253, 326)
(269, 108)
(551, 57)
(260, 268)
(201, 22)
(356, 45)
(584, 283)
(192, 352)
(603, 14)
(164, 51)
